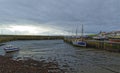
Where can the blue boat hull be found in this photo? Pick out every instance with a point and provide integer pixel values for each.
(11, 49)
(79, 43)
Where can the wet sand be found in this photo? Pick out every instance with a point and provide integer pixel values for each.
(8, 65)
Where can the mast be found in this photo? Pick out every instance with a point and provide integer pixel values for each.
(76, 31)
(82, 31)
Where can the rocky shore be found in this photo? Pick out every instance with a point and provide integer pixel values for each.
(8, 65)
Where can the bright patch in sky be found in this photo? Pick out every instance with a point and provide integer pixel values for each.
(32, 30)
(27, 29)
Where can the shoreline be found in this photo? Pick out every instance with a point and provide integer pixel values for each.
(8, 65)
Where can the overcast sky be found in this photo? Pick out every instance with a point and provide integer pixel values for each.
(51, 17)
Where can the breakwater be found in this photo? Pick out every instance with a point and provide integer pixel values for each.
(5, 38)
(104, 45)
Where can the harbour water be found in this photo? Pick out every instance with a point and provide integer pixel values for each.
(71, 59)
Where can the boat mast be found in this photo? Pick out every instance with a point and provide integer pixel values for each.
(82, 31)
(76, 31)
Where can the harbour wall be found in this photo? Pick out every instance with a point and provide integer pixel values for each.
(103, 45)
(6, 38)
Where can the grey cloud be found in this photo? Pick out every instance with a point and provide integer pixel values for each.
(63, 13)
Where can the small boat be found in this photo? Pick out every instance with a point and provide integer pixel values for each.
(11, 48)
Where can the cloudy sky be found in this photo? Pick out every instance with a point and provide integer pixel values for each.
(58, 17)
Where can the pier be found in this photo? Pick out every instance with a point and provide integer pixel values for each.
(103, 45)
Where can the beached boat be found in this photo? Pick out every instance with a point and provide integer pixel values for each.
(10, 48)
(79, 42)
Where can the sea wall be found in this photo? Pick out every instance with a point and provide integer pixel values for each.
(104, 45)
(6, 38)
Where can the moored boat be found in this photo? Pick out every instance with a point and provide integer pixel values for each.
(80, 42)
(11, 48)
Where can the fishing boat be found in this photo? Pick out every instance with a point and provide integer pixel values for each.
(79, 42)
(10, 48)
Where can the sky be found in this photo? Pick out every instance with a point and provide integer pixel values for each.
(58, 17)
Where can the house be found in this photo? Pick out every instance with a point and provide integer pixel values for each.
(100, 36)
(114, 34)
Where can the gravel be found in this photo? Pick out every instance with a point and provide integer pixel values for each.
(8, 65)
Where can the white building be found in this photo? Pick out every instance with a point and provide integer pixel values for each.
(114, 34)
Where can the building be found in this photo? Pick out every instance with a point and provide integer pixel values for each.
(114, 34)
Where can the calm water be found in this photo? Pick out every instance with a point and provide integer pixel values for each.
(71, 59)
